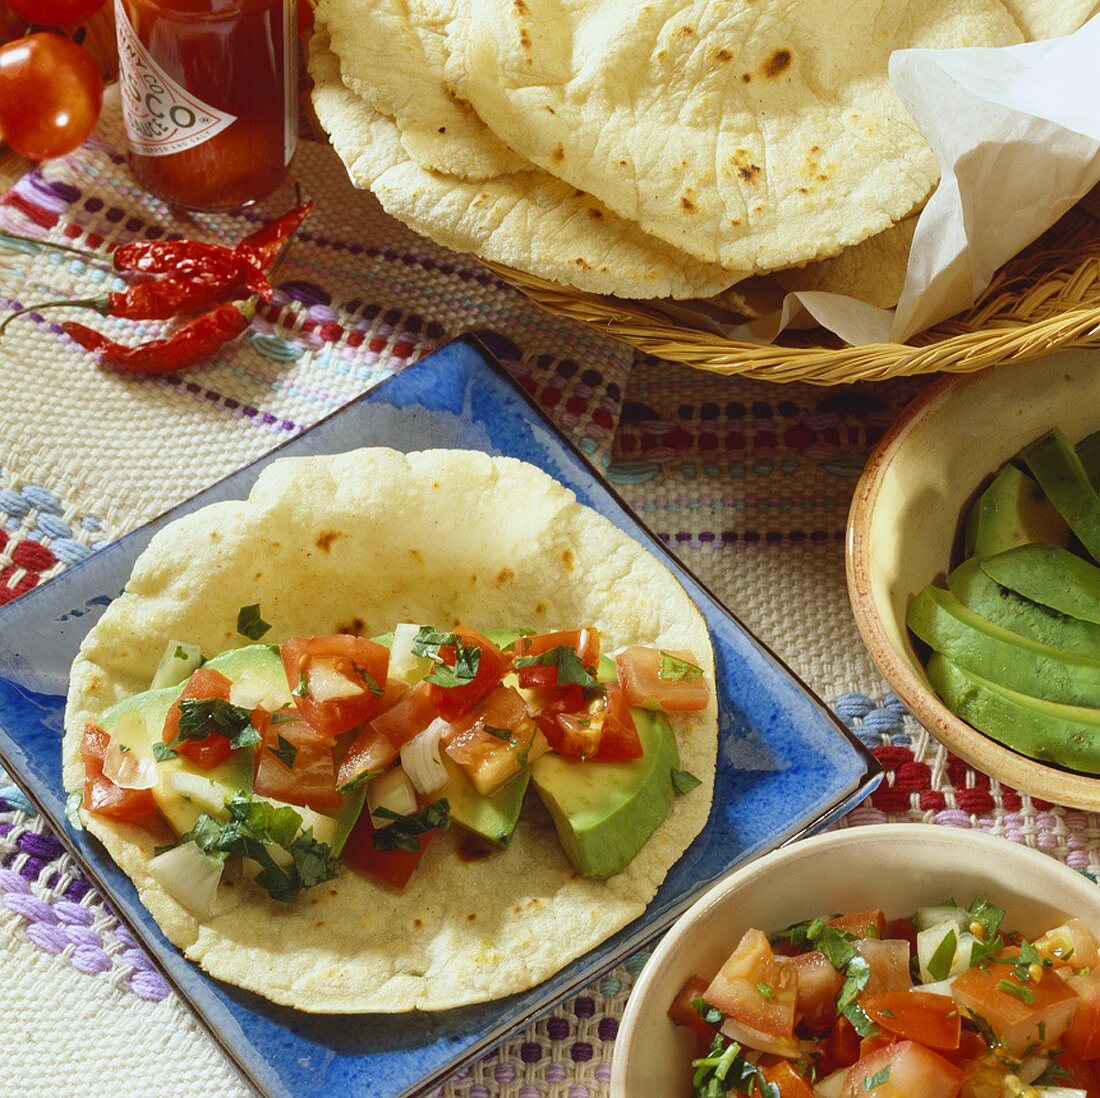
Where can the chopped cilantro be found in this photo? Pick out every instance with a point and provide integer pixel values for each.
(766, 991)
(1053, 1076)
(202, 717)
(837, 946)
(72, 804)
(876, 1080)
(1029, 956)
(180, 653)
(939, 964)
(982, 952)
(286, 752)
(983, 1027)
(1024, 994)
(674, 669)
(123, 749)
(861, 1021)
(285, 718)
(710, 1014)
(249, 622)
(988, 916)
(500, 733)
(797, 934)
(405, 831)
(571, 671)
(302, 689)
(467, 657)
(725, 1069)
(360, 779)
(162, 752)
(684, 781)
(370, 681)
(884, 1013)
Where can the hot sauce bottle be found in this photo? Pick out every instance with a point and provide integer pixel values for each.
(210, 97)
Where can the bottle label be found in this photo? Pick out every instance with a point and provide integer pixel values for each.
(161, 117)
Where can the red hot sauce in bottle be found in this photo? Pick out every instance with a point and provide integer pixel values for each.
(210, 97)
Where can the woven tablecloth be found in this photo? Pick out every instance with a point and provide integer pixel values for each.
(748, 483)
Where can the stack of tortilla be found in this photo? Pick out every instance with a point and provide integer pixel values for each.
(667, 150)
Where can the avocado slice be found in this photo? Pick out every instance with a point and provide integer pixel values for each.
(605, 811)
(1089, 452)
(1051, 575)
(1000, 656)
(971, 585)
(494, 818)
(260, 659)
(1012, 511)
(1056, 466)
(1062, 734)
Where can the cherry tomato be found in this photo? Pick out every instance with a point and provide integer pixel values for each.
(101, 795)
(50, 95)
(55, 13)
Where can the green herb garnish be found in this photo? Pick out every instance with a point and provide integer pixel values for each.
(123, 749)
(500, 733)
(360, 779)
(371, 683)
(876, 1080)
(405, 831)
(180, 653)
(684, 781)
(286, 752)
(988, 916)
(571, 671)
(710, 1014)
(249, 622)
(1024, 994)
(302, 689)
(939, 964)
(766, 992)
(674, 669)
(1029, 956)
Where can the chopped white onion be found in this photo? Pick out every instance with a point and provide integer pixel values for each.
(203, 793)
(327, 684)
(1061, 1092)
(189, 876)
(938, 987)
(251, 690)
(832, 1086)
(421, 760)
(403, 663)
(394, 791)
(177, 664)
(1031, 1068)
(129, 762)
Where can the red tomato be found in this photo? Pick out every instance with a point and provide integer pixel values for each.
(971, 1046)
(840, 1049)
(818, 986)
(684, 1014)
(790, 1083)
(215, 749)
(933, 1020)
(602, 729)
(640, 677)
(312, 664)
(55, 13)
(369, 751)
(1018, 1024)
(50, 95)
(872, 1044)
(1083, 1036)
(294, 764)
(101, 795)
(905, 1068)
(862, 924)
(452, 702)
(408, 718)
(489, 759)
(393, 867)
(1082, 1076)
(889, 961)
(585, 642)
(758, 995)
(903, 929)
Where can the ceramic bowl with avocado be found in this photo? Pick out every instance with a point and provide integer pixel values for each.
(974, 570)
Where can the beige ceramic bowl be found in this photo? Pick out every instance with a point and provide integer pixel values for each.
(907, 516)
(897, 867)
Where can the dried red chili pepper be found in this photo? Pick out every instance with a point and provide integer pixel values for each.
(262, 246)
(190, 345)
(190, 259)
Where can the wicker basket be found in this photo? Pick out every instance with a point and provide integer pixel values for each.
(1045, 298)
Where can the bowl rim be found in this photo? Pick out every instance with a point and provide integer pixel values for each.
(977, 841)
(1032, 776)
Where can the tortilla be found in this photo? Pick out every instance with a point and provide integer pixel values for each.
(757, 135)
(363, 541)
(1051, 18)
(528, 219)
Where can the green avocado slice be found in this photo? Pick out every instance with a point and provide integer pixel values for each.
(1050, 575)
(1055, 465)
(1088, 451)
(1001, 656)
(605, 811)
(970, 584)
(1062, 734)
(494, 818)
(1012, 511)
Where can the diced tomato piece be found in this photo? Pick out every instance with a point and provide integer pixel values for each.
(394, 692)
(1070, 944)
(1081, 1075)
(358, 662)
(585, 642)
(294, 764)
(840, 1049)
(971, 1046)
(492, 757)
(889, 961)
(407, 718)
(215, 749)
(861, 924)
(790, 1083)
(370, 751)
(905, 930)
(1017, 1023)
(452, 702)
(619, 740)
(684, 1014)
(101, 795)
(1083, 1035)
(905, 1068)
(933, 1020)
(602, 729)
(393, 867)
(640, 677)
(818, 986)
(872, 1044)
(758, 994)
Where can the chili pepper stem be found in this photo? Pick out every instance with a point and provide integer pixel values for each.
(84, 253)
(100, 304)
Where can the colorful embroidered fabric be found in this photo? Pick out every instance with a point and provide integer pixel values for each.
(749, 483)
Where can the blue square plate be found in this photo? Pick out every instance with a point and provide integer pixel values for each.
(786, 765)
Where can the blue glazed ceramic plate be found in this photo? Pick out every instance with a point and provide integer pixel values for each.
(786, 765)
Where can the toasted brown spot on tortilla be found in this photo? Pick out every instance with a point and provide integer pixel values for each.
(473, 577)
(777, 63)
(473, 849)
(333, 892)
(318, 925)
(415, 554)
(326, 538)
(442, 129)
(735, 221)
(540, 608)
(215, 535)
(594, 213)
(748, 172)
(567, 558)
(505, 575)
(722, 56)
(746, 78)
(524, 38)
(472, 917)
(583, 264)
(520, 6)
(558, 152)
(258, 575)
(435, 483)
(355, 627)
(686, 203)
(547, 107)
(687, 31)
(417, 924)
